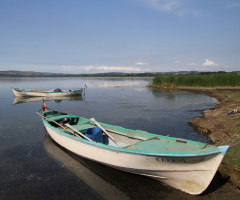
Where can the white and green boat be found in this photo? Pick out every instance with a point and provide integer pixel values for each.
(46, 93)
(183, 164)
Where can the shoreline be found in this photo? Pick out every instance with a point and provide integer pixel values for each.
(221, 128)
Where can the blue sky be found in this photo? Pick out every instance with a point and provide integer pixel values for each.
(133, 36)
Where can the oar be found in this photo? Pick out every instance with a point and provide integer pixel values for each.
(71, 127)
(62, 126)
(58, 124)
(95, 122)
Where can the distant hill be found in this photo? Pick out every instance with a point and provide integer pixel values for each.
(28, 73)
(15, 73)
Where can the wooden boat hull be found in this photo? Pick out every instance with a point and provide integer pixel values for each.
(189, 173)
(46, 93)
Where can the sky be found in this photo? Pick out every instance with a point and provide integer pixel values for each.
(131, 36)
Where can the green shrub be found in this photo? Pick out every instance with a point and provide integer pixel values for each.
(198, 80)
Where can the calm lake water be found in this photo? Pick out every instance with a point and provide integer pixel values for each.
(33, 167)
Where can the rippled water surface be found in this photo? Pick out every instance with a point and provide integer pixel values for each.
(33, 167)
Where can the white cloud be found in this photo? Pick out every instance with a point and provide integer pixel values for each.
(66, 67)
(192, 64)
(88, 68)
(167, 5)
(209, 63)
(97, 69)
(140, 63)
(114, 68)
(162, 5)
(74, 68)
(178, 7)
(177, 63)
(234, 4)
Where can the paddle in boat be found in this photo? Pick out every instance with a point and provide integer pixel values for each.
(183, 164)
(46, 93)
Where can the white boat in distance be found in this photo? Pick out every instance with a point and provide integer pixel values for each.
(47, 93)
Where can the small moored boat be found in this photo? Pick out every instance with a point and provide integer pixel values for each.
(47, 93)
(183, 164)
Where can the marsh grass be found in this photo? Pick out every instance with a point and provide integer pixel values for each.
(197, 80)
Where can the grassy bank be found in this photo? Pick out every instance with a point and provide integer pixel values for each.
(197, 80)
(227, 132)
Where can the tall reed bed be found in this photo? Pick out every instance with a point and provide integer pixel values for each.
(197, 80)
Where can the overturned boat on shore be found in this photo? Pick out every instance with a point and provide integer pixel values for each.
(183, 164)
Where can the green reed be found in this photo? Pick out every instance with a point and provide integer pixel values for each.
(197, 80)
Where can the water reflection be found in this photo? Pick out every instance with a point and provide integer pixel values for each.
(103, 188)
(177, 99)
(21, 99)
(119, 84)
(115, 82)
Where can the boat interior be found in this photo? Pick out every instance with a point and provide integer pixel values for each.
(120, 137)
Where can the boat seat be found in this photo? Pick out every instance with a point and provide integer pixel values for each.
(83, 127)
(137, 143)
(156, 145)
(59, 117)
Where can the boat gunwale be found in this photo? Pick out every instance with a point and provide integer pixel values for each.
(131, 151)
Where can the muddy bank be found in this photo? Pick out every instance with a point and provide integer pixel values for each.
(222, 128)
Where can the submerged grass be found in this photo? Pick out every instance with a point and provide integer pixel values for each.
(197, 80)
